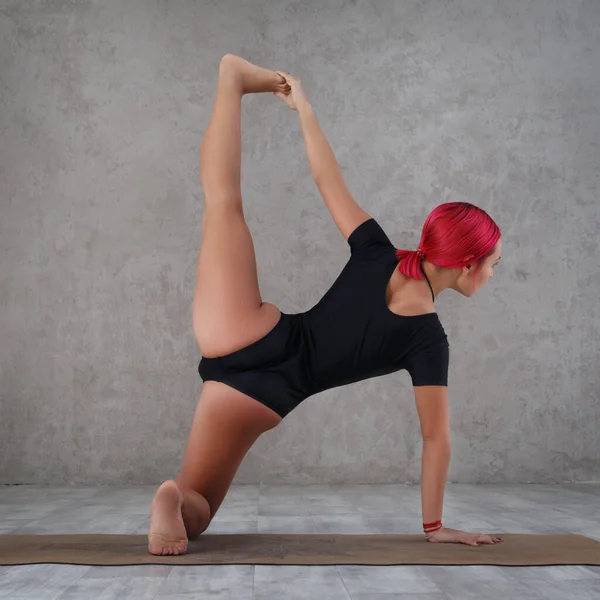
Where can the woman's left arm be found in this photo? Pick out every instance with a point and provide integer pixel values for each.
(345, 211)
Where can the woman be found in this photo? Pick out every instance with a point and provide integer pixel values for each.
(378, 317)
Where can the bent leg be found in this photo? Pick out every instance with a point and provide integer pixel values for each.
(225, 426)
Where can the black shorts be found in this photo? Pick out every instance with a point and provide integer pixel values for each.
(270, 370)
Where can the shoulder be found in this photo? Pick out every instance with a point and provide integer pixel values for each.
(430, 329)
(428, 358)
(429, 340)
(369, 236)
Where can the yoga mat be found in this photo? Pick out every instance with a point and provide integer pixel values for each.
(305, 549)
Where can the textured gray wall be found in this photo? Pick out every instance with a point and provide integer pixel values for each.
(103, 105)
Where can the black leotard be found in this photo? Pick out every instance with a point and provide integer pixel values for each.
(348, 336)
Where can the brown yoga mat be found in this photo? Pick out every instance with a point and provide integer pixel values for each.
(305, 549)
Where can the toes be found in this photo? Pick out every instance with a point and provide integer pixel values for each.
(282, 85)
(282, 81)
(168, 550)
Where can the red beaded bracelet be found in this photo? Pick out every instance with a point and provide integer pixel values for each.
(432, 527)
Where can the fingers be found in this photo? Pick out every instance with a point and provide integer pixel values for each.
(482, 539)
(489, 539)
(492, 539)
(289, 78)
(471, 542)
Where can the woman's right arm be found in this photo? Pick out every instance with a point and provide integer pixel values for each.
(432, 407)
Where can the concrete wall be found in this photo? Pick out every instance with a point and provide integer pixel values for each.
(103, 105)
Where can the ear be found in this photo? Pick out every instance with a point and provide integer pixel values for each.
(468, 267)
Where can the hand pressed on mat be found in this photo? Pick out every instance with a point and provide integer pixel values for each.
(461, 537)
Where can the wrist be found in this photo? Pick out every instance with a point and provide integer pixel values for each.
(303, 106)
(431, 528)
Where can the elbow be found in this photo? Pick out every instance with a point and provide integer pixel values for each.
(326, 174)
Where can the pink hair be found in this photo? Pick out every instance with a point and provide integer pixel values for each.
(454, 235)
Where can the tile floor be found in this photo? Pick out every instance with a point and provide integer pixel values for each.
(573, 508)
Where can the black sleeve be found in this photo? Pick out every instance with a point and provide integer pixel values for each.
(368, 238)
(430, 365)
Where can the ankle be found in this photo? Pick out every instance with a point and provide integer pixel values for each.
(230, 76)
(195, 511)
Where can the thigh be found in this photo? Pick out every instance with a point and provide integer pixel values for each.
(225, 426)
(228, 311)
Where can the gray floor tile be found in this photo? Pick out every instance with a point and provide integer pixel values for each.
(326, 503)
(355, 500)
(583, 488)
(107, 523)
(399, 579)
(286, 525)
(240, 504)
(129, 572)
(137, 588)
(25, 510)
(581, 589)
(280, 501)
(553, 573)
(371, 596)
(223, 526)
(364, 524)
(493, 591)
(273, 582)
(38, 582)
(467, 574)
(209, 581)
(470, 523)
(143, 526)
(10, 525)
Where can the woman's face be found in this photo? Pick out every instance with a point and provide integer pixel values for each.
(466, 284)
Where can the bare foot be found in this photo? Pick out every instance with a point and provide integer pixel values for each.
(167, 533)
(253, 79)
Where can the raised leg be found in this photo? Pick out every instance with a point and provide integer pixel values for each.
(228, 309)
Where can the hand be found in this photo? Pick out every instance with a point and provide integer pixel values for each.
(296, 95)
(462, 537)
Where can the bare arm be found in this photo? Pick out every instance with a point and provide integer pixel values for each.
(432, 406)
(345, 211)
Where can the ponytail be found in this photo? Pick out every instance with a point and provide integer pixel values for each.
(454, 235)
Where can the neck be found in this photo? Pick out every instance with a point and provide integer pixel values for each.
(440, 279)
